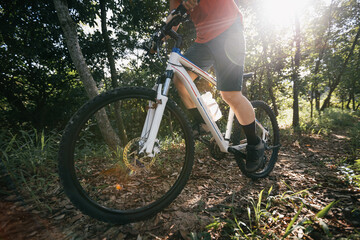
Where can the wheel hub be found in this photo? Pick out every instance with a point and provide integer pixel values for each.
(134, 160)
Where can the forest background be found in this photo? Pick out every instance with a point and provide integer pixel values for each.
(305, 56)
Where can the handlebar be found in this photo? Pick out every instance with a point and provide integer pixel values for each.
(180, 15)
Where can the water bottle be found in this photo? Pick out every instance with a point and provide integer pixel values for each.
(212, 106)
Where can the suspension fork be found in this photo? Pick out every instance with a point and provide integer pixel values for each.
(154, 116)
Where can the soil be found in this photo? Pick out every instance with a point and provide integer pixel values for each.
(308, 163)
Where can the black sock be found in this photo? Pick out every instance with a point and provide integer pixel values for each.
(249, 130)
(196, 115)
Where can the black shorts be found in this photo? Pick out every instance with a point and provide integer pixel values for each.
(226, 53)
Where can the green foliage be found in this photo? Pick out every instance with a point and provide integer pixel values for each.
(356, 169)
(38, 86)
(332, 120)
(263, 217)
(289, 228)
(329, 120)
(39, 77)
(335, 119)
(30, 159)
(325, 210)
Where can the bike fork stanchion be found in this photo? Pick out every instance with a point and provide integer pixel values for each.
(160, 104)
(148, 121)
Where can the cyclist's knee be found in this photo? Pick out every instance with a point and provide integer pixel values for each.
(177, 81)
(231, 97)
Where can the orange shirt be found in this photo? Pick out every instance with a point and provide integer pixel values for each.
(213, 17)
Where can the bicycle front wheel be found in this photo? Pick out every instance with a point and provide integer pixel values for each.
(268, 130)
(107, 177)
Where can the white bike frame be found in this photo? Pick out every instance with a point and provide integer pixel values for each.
(179, 65)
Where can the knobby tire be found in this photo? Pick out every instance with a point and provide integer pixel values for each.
(93, 175)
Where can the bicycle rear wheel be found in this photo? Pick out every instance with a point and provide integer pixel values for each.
(113, 182)
(266, 117)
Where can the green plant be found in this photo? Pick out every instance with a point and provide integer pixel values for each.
(289, 228)
(308, 223)
(255, 214)
(259, 212)
(263, 219)
(30, 160)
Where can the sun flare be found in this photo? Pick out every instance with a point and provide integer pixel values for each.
(281, 12)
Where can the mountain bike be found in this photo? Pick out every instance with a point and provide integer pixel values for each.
(148, 161)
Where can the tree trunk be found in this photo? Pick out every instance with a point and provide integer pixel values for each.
(317, 100)
(322, 49)
(348, 102)
(342, 71)
(268, 76)
(107, 41)
(114, 77)
(260, 95)
(353, 101)
(271, 93)
(296, 79)
(311, 105)
(69, 28)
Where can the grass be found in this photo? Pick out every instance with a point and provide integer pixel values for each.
(345, 121)
(265, 218)
(334, 120)
(29, 157)
(331, 120)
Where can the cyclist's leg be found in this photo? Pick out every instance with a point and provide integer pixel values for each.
(228, 50)
(200, 55)
(241, 106)
(183, 93)
(267, 120)
(245, 114)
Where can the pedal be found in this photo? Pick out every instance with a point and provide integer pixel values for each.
(215, 151)
(203, 140)
(272, 147)
(236, 150)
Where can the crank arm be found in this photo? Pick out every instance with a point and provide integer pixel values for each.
(272, 147)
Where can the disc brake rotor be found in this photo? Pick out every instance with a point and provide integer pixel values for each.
(133, 160)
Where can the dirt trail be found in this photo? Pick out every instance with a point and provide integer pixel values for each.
(307, 163)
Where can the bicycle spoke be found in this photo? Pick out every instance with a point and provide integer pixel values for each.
(123, 182)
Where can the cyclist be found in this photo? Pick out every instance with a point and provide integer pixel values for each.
(220, 43)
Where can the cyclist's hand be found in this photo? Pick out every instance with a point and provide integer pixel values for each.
(168, 19)
(151, 46)
(171, 16)
(190, 4)
(187, 4)
(152, 49)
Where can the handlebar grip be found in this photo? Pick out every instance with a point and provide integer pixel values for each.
(179, 16)
(180, 9)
